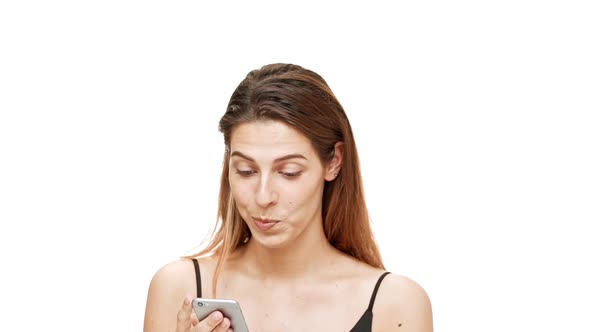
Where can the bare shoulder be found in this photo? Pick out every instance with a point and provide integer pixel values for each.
(177, 279)
(174, 276)
(168, 288)
(402, 305)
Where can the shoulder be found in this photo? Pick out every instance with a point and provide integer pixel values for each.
(173, 276)
(402, 303)
(179, 275)
(169, 286)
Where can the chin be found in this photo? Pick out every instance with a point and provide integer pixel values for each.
(276, 241)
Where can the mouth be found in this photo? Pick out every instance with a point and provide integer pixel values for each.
(264, 224)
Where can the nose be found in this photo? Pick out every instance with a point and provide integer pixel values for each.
(265, 194)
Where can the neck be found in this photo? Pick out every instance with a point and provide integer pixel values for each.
(309, 253)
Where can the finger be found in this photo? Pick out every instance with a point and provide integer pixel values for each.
(183, 316)
(209, 323)
(223, 326)
(194, 320)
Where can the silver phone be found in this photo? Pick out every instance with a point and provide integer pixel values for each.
(229, 308)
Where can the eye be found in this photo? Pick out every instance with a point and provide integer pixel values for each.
(245, 173)
(291, 174)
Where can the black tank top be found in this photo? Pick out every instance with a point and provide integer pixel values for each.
(364, 323)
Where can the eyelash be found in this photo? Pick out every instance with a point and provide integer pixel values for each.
(250, 173)
(245, 173)
(291, 174)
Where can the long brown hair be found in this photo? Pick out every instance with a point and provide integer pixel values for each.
(302, 99)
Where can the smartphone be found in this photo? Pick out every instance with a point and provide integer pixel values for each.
(229, 308)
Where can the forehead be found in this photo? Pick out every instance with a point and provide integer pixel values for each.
(269, 139)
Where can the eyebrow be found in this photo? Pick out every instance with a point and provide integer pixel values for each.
(283, 158)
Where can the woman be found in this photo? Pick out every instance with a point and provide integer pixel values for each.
(293, 243)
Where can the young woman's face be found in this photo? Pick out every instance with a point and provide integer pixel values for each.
(277, 180)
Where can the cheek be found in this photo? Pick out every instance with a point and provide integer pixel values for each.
(241, 192)
(301, 195)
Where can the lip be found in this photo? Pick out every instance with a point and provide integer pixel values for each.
(264, 224)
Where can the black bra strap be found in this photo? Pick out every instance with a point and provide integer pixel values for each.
(376, 289)
(198, 276)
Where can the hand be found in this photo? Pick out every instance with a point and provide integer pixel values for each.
(188, 322)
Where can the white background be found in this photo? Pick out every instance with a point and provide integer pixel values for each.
(470, 117)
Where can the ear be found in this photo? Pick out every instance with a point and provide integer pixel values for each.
(334, 165)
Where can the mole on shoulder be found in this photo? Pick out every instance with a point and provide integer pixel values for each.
(399, 325)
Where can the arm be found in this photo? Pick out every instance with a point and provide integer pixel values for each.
(165, 296)
(402, 305)
(169, 307)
